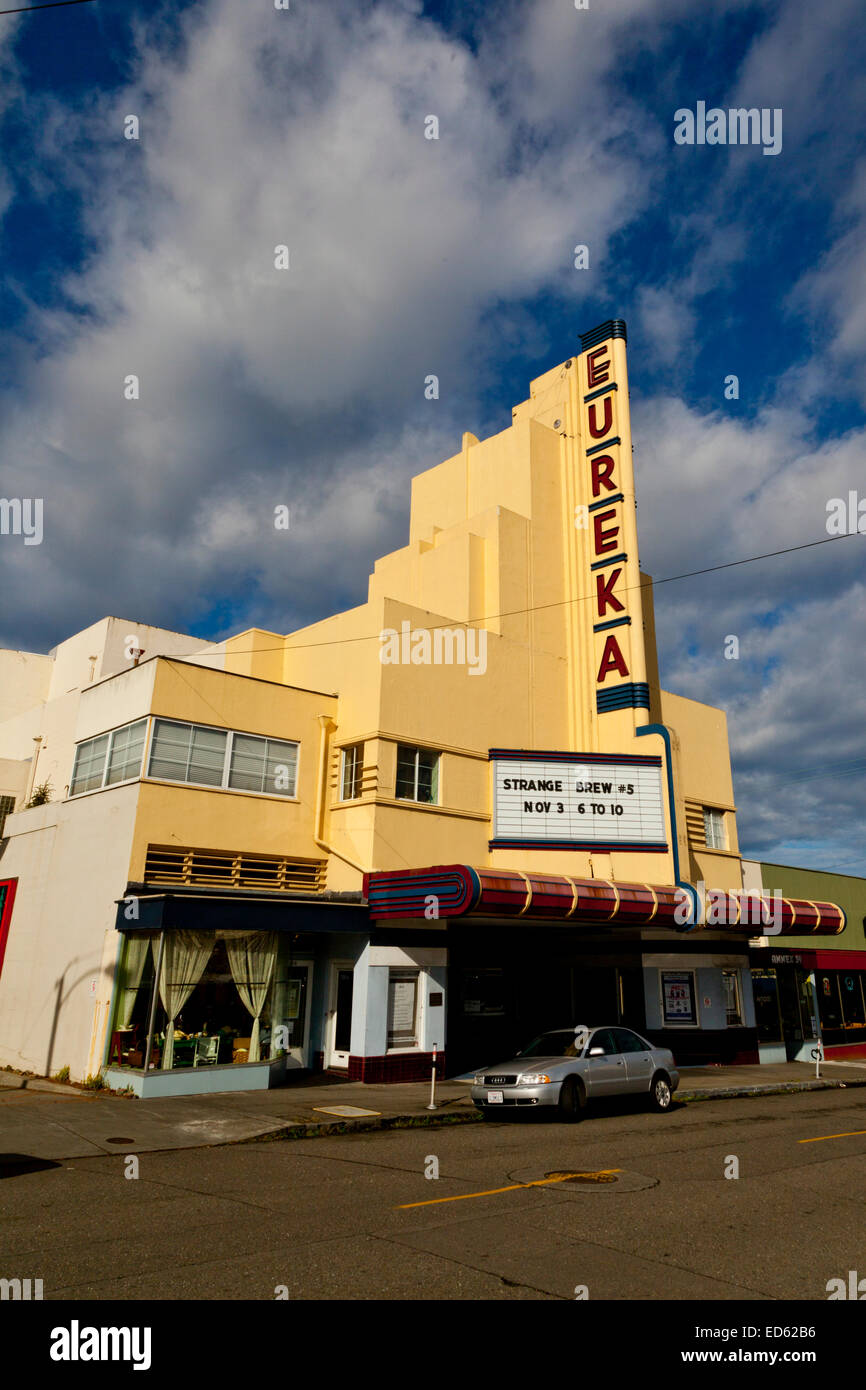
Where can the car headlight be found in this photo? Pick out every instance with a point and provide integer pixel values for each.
(533, 1078)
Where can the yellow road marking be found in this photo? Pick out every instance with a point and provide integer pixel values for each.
(493, 1191)
(847, 1135)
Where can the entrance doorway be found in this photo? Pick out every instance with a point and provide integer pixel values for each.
(340, 1015)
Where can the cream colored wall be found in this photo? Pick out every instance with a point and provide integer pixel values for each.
(14, 776)
(107, 641)
(703, 774)
(71, 862)
(232, 820)
(24, 681)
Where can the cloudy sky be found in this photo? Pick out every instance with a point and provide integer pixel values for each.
(408, 257)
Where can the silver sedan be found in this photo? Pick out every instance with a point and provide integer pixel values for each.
(569, 1066)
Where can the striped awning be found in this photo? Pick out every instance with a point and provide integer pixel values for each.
(458, 890)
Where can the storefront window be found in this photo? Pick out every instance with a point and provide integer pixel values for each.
(768, 1017)
(484, 992)
(402, 1008)
(678, 996)
(828, 1000)
(225, 997)
(841, 1005)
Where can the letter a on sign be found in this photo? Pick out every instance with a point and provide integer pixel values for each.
(612, 660)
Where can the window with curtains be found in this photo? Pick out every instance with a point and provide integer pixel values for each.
(204, 756)
(417, 774)
(226, 997)
(109, 758)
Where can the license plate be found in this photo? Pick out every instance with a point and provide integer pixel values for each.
(494, 1098)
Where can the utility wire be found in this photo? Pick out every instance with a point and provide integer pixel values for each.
(538, 608)
(51, 5)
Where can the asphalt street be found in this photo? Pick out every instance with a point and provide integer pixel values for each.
(649, 1214)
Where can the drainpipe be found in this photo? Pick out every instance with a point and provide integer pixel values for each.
(327, 727)
(664, 732)
(31, 781)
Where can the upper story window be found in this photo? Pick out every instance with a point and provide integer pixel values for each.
(417, 774)
(714, 829)
(7, 806)
(202, 756)
(353, 767)
(108, 758)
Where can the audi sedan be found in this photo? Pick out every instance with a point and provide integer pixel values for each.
(568, 1067)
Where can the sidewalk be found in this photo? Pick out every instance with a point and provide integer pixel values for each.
(48, 1122)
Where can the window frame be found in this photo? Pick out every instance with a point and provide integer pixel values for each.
(711, 815)
(9, 811)
(397, 974)
(109, 736)
(224, 785)
(734, 975)
(143, 774)
(694, 1022)
(416, 750)
(357, 752)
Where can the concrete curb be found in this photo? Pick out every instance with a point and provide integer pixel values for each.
(314, 1129)
(779, 1088)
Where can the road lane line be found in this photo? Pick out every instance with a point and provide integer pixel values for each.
(848, 1133)
(494, 1191)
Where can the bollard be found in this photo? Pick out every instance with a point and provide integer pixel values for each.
(432, 1105)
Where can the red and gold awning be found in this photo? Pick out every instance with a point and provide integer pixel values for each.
(458, 890)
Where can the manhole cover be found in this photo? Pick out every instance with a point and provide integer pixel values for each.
(580, 1182)
(583, 1177)
(121, 1140)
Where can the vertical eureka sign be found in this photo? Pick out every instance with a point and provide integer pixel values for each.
(607, 547)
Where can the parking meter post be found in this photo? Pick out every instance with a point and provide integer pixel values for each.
(432, 1105)
(816, 1053)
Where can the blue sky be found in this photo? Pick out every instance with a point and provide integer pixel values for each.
(453, 257)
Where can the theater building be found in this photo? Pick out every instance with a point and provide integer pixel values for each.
(461, 812)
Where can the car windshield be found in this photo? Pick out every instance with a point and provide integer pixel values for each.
(558, 1044)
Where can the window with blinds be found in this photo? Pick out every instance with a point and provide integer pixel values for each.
(109, 758)
(202, 756)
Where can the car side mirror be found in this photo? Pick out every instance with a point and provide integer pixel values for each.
(596, 1052)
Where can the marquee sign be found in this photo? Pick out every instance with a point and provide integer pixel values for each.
(590, 801)
(607, 549)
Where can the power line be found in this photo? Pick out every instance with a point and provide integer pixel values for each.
(537, 608)
(51, 5)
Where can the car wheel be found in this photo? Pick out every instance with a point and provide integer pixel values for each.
(572, 1100)
(661, 1094)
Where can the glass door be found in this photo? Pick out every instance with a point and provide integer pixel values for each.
(340, 1030)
